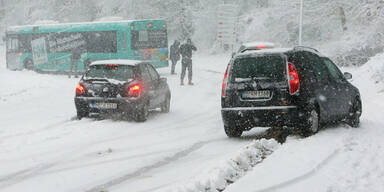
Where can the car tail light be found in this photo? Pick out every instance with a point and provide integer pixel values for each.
(293, 78)
(111, 65)
(261, 47)
(225, 81)
(80, 89)
(134, 90)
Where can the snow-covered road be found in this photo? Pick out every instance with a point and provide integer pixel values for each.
(44, 148)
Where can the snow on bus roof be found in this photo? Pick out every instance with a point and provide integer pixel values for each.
(79, 23)
(117, 62)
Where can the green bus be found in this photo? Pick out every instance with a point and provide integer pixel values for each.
(49, 48)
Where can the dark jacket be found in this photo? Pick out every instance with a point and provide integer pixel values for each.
(175, 51)
(76, 53)
(186, 50)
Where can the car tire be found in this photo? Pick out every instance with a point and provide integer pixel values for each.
(354, 114)
(141, 114)
(82, 114)
(166, 105)
(233, 131)
(311, 124)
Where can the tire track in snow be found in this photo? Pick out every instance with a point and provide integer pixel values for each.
(300, 178)
(22, 175)
(44, 128)
(148, 168)
(310, 172)
(5, 96)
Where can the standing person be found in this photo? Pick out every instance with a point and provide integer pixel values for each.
(186, 62)
(76, 55)
(174, 55)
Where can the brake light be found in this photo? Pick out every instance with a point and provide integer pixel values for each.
(134, 90)
(225, 81)
(293, 78)
(111, 65)
(261, 47)
(80, 89)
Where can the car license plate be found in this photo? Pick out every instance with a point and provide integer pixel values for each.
(256, 94)
(102, 105)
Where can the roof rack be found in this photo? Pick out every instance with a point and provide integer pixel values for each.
(305, 47)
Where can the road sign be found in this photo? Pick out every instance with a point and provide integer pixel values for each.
(227, 17)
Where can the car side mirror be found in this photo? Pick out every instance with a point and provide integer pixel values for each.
(347, 75)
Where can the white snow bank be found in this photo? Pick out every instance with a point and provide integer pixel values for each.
(375, 69)
(229, 171)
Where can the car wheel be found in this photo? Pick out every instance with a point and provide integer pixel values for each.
(233, 131)
(166, 105)
(354, 114)
(311, 124)
(141, 114)
(82, 114)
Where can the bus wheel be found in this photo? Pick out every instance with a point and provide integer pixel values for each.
(28, 64)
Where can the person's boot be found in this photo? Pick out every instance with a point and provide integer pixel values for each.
(190, 82)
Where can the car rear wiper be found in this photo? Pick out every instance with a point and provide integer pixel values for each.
(96, 79)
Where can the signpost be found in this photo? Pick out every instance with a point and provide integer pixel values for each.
(227, 16)
(301, 23)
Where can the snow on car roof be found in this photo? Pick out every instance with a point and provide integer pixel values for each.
(256, 43)
(265, 51)
(117, 61)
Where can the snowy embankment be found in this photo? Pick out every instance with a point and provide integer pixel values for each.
(227, 172)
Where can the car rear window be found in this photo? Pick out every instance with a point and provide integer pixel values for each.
(271, 67)
(111, 71)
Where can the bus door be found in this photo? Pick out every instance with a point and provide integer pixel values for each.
(12, 52)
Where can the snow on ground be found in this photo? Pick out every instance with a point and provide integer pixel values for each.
(43, 147)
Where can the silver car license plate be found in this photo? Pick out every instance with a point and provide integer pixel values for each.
(256, 94)
(103, 105)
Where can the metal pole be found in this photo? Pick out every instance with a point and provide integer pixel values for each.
(301, 22)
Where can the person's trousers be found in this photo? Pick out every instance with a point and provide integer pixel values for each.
(186, 64)
(74, 64)
(174, 62)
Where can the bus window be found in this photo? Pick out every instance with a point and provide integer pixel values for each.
(123, 40)
(149, 39)
(13, 45)
(101, 41)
